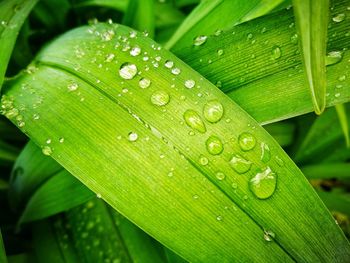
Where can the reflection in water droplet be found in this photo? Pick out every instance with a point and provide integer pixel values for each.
(220, 176)
(190, 83)
(276, 52)
(194, 121)
(265, 152)
(263, 184)
(144, 83)
(128, 70)
(333, 57)
(338, 18)
(132, 136)
(246, 141)
(214, 145)
(203, 160)
(239, 164)
(160, 98)
(213, 111)
(46, 150)
(200, 40)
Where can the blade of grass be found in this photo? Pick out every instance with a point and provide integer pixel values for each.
(342, 116)
(2, 250)
(12, 15)
(139, 157)
(336, 201)
(261, 57)
(312, 22)
(8, 153)
(282, 132)
(211, 15)
(340, 171)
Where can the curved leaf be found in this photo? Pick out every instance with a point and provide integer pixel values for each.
(131, 145)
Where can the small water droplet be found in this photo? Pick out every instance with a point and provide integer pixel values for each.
(203, 160)
(269, 235)
(128, 70)
(213, 111)
(109, 57)
(61, 140)
(333, 57)
(72, 86)
(220, 52)
(220, 176)
(239, 164)
(342, 78)
(190, 83)
(46, 150)
(98, 195)
(246, 141)
(263, 184)
(200, 40)
(338, 18)
(214, 145)
(176, 71)
(279, 161)
(294, 38)
(265, 152)
(169, 64)
(234, 185)
(132, 136)
(195, 197)
(144, 83)
(219, 218)
(170, 174)
(194, 121)
(135, 51)
(160, 98)
(276, 52)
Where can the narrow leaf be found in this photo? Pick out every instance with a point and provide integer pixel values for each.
(312, 22)
(12, 15)
(339, 202)
(341, 112)
(340, 171)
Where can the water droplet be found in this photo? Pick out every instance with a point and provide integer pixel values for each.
(61, 140)
(220, 52)
(338, 18)
(294, 38)
(220, 176)
(234, 185)
(46, 150)
(269, 235)
(276, 52)
(135, 51)
(98, 195)
(263, 184)
(203, 160)
(109, 57)
(214, 145)
(342, 78)
(200, 40)
(132, 136)
(218, 32)
(246, 141)
(170, 174)
(176, 71)
(169, 64)
(190, 83)
(160, 98)
(213, 111)
(333, 57)
(219, 218)
(195, 197)
(279, 161)
(144, 83)
(265, 153)
(239, 164)
(194, 121)
(128, 70)
(72, 86)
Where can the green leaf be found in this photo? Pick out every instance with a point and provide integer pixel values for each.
(128, 142)
(282, 132)
(8, 153)
(327, 171)
(341, 112)
(12, 15)
(211, 15)
(312, 22)
(336, 201)
(2, 251)
(259, 59)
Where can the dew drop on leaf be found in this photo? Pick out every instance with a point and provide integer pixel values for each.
(213, 111)
(128, 70)
(220, 176)
(200, 40)
(176, 71)
(46, 150)
(338, 18)
(135, 51)
(194, 121)
(72, 86)
(239, 164)
(169, 64)
(160, 98)
(144, 83)
(246, 141)
(203, 160)
(190, 83)
(132, 136)
(265, 152)
(279, 161)
(294, 38)
(263, 183)
(333, 57)
(276, 52)
(269, 235)
(220, 52)
(214, 145)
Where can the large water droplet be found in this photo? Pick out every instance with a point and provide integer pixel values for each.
(132, 136)
(338, 18)
(46, 150)
(246, 141)
(239, 164)
(200, 40)
(263, 184)
(333, 57)
(194, 121)
(144, 83)
(190, 83)
(276, 52)
(128, 70)
(213, 111)
(265, 152)
(214, 145)
(160, 98)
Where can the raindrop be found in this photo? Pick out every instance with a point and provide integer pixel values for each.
(144, 83)
(46, 150)
(169, 64)
(213, 111)
(72, 86)
(132, 136)
(279, 161)
(294, 38)
(239, 164)
(246, 141)
(342, 78)
(220, 176)
(176, 71)
(234, 185)
(269, 235)
(265, 153)
(200, 40)
(214, 145)
(135, 51)
(276, 52)
(263, 184)
(333, 57)
(203, 160)
(190, 83)
(220, 52)
(194, 121)
(109, 57)
(128, 70)
(219, 218)
(160, 98)
(338, 18)
(61, 140)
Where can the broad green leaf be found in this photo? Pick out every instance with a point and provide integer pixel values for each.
(2, 251)
(211, 15)
(12, 15)
(341, 112)
(260, 59)
(340, 171)
(128, 142)
(312, 22)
